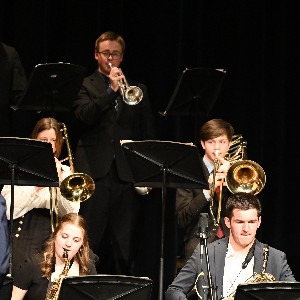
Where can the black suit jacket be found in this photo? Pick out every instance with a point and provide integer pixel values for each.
(12, 85)
(191, 202)
(103, 128)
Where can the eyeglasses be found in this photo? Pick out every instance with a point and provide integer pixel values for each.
(108, 54)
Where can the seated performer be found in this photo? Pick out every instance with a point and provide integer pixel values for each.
(232, 260)
(32, 221)
(39, 277)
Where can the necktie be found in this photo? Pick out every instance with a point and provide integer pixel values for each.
(107, 81)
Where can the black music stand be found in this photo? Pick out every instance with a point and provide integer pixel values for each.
(52, 87)
(196, 92)
(25, 162)
(276, 290)
(165, 164)
(105, 287)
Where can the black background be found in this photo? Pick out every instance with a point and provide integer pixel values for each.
(255, 41)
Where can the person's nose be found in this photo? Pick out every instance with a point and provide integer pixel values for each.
(68, 243)
(246, 227)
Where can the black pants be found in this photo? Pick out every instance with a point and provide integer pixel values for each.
(111, 214)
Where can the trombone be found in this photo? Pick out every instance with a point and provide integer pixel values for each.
(244, 176)
(77, 187)
(131, 95)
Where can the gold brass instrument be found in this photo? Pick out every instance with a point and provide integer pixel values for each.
(212, 191)
(77, 186)
(244, 175)
(263, 276)
(53, 291)
(131, 95)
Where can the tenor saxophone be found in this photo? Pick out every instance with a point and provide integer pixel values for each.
(53, 291)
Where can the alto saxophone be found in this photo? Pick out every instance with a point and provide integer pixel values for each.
(263, 276)
(53, 291)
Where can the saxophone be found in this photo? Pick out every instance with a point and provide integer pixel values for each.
(259, 277)
(53, 291)
(263, 276)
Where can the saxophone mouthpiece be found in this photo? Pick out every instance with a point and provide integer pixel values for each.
(65, 255)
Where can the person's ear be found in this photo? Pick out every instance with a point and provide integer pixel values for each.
(227, 222)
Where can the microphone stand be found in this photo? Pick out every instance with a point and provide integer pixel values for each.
(203, 236)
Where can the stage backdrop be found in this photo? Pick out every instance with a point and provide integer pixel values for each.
(256, 42)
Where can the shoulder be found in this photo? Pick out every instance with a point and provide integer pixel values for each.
(273, 252)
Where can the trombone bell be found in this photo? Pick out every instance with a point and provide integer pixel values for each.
(77, 187)
(245, 176)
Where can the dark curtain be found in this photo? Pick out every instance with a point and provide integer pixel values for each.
(256, 42)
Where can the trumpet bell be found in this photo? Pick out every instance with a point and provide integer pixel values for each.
(245, 176)
(133, 95)
(77, 187)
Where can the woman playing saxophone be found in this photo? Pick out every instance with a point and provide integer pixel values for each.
(39, 278)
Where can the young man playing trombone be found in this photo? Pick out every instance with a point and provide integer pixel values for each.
(216, 136)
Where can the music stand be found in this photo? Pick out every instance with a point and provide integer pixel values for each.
(6, 288)
(276, 290)
(104, 287)
(196, 92)
(25, 162)
(165, 164)
(52, 87)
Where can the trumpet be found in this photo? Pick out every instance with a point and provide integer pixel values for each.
(131, 95)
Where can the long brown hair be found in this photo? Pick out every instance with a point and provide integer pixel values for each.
(46, 124)
(82, 256)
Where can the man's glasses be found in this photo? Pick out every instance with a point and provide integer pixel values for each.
(108, 54)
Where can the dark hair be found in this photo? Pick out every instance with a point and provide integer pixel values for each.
(215, 128)
(46, 124)
(110, 36)
(82, 256)
(243, 201)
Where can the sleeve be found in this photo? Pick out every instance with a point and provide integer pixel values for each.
(19, 80)
(66, 206)
(92, 103)
(189, 203)
(25, 199)
(184, 282)
(4, 244)
(24, 278)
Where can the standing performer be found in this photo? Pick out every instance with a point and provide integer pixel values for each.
(12, 86)
(32, 220)
(106, 119)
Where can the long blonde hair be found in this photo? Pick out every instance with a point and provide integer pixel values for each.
(82, 256)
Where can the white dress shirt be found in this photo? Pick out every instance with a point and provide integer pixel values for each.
(27, 198)
(234, 274)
